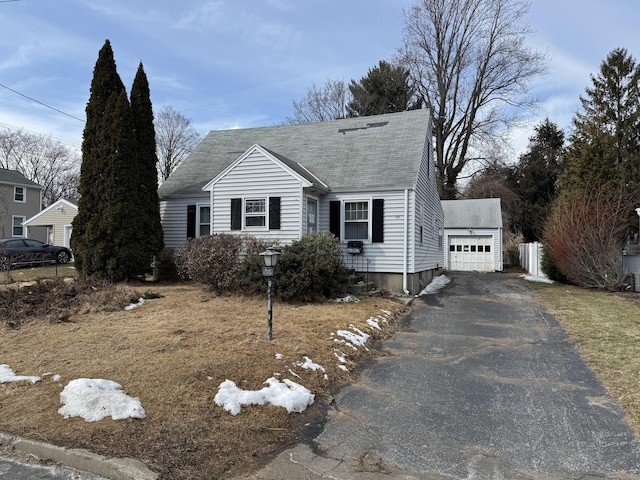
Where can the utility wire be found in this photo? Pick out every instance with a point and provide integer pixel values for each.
(38, 101)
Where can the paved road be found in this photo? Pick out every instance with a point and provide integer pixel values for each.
(481, 383)
(11, 468)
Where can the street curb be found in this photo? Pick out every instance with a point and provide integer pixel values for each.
(79, 459)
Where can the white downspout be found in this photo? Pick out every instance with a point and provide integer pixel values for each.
(405, 266)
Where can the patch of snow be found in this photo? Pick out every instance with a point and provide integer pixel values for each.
(131, 306)
(342, 367)
(279, 356)
(386, 312)
(326, 377)
(295, 374)
(435, 285)
(348, 299)
(56, 378)
(357, 337)
(94, 399)
(373, 322)
(7, 375)
(537, 278)
(209, 377)
(309, 365)
(287, 394)
(340, 357)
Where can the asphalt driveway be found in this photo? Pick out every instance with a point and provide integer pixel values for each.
(480, 383)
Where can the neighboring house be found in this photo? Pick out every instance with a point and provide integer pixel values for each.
(20, 198)
(473, 235)
(368, 180)
(56, 219)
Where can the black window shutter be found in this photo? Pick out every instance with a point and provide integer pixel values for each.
(191, 221)
(236, 214)
(334, 218)
(377, 229)
(274, 213)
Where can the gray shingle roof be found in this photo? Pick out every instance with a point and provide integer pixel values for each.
(354, 154)
(476, 213)
(14, 177)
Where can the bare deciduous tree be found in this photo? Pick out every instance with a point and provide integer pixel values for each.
(322, 104)
(470, 63)
(43, 160)
(175, 140)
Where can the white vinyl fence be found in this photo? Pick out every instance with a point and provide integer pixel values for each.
(531, 257)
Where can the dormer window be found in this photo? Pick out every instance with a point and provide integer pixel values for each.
(19, 194)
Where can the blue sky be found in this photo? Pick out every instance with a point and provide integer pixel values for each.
(241, 63)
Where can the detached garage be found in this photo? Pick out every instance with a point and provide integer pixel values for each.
(473, 235)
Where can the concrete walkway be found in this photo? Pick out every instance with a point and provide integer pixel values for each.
(481, 383)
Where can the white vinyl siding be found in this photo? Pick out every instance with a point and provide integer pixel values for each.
(386, 256)
(427, 255)
(173, 214)
(257, 177)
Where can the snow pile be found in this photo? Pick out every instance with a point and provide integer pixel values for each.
(309, 365)
(436, 284)
(355, 338)
(347, 299)
(537, 278)
(8, 375)
(131, 306)
(374, 322)
(94, 399)
(279, 356)
(287, 394)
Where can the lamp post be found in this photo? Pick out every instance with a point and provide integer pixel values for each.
(270, 259)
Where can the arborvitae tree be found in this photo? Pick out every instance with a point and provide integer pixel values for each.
(149, 217)
(106, 82)
(605, 145)
(117, 230)
(385, 89)
(536, 177)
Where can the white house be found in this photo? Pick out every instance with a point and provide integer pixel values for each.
(370, 181)
(56, 218)
(473, 235)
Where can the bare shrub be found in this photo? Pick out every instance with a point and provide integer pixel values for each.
(584, 237)
(511, 247)
(211, 259)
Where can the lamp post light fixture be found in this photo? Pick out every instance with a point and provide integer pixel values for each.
(270, 259)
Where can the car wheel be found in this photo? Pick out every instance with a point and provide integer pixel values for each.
(63, 257)
(5, 264)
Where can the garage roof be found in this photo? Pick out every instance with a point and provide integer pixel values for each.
(476, 213)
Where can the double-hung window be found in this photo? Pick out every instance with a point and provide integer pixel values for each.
(19, 194)
(204, 220)
(356, 220)
(255, 212)
(17, 229)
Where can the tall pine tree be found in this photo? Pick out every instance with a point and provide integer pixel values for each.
(85, 239)
(385, 89)
(150, 226)
(605, 145)
(117, 230)
(536, 176)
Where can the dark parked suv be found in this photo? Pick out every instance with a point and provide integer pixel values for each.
(25, 251)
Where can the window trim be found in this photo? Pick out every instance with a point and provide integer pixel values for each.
(343, 219)
(13, 226)
(15, 194)
(199, 223)
(264, 214)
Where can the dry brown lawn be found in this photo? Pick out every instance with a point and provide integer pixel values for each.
(173, 353)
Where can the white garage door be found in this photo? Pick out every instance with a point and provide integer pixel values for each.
(471, 252)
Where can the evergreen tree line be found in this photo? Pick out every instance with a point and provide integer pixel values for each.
(579, 197)
(117, 230)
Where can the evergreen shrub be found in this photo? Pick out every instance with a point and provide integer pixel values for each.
(311, 269)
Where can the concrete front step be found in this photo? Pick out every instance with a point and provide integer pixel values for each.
(360, 288)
